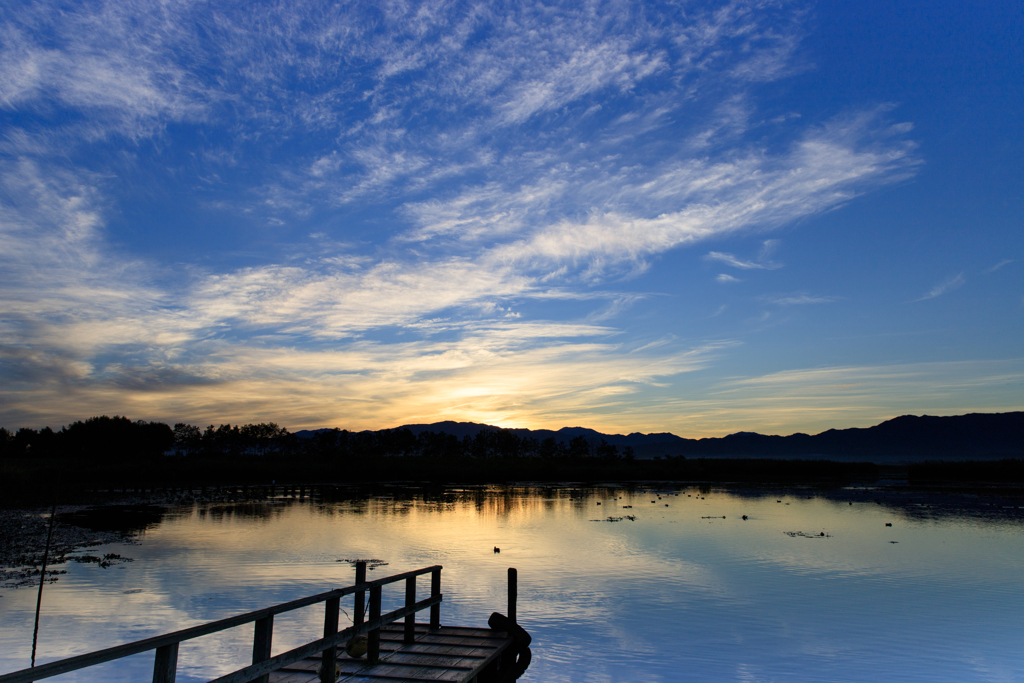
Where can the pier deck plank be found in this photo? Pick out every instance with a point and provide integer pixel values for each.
(453, 654)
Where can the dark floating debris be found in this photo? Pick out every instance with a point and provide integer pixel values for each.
(893, 541)
(108, 560)
(22, 540)
(626, 506)
(888, 523)
(800, 534)
(370, 564)
(722, 517)
(631, 518)
(497, 549)
(744, 517)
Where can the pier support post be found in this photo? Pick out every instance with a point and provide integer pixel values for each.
(329, 655)
(373, 641)
(513, 593)
(359, 611)
(166, 666)
(435, 590)
(261, 641)
(410, 600)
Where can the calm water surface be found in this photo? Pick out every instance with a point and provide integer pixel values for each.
(679, 593)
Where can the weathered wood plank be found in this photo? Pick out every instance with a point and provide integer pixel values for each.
(415, 673)
(447, 654)
(429, 659)
(293, 677)
(317, 646)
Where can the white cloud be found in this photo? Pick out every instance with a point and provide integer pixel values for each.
(942, 288)
(1004, 262)
(710, 200)
(726, 278)
(532, 153)
(496, 373)
(731, 260)
(800, 299)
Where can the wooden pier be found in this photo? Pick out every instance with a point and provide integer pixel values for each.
(398, 650)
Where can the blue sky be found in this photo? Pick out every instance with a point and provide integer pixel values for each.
(688, 217)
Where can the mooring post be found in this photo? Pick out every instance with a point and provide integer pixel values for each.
(166, 665)
(513, 593)
(435, 590)
(410, 600)
(373, 642)
(360, 606)
(330, 628)
(261, 641)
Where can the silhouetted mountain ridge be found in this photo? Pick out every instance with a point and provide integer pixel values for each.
(906, 436)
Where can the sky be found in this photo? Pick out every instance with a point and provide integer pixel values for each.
(691, 217)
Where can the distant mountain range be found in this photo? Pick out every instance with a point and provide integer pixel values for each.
(904, 438)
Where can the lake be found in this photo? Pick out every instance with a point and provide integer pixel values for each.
(812, 586)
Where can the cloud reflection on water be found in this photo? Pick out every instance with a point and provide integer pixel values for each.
(722, 599)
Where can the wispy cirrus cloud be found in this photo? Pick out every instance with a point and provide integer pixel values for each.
(943, 287)
(494, 373)
(458, 163)
(763, 261)
(1001, 264)
(731, 260)
(799, 299)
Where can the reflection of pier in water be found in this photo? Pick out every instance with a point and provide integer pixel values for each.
(395, 652)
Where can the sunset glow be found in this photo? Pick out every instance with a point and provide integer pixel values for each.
(627, 216)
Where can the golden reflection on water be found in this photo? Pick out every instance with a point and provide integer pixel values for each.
(686, 584)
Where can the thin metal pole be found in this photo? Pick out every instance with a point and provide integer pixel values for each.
(42, 575)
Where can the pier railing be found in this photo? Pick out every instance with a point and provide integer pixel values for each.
(166, 646)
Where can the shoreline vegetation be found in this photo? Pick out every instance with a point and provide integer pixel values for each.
(104, 453)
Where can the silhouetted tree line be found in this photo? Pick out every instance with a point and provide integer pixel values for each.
(256, 440)
(98, 439)
(119, 439)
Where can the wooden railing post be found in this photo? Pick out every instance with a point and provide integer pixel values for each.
(330, 628)
(261, 641)
(435, 590)
(373, 641)
(166, 646)
(410, 600)
(513, 593)
(360, 600)
(166, 665)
